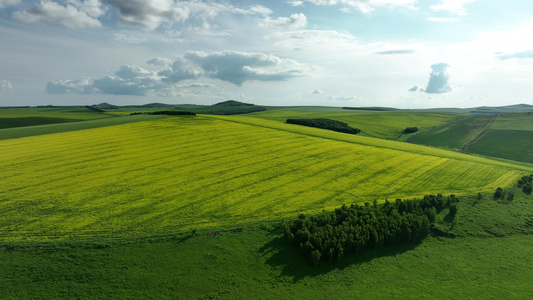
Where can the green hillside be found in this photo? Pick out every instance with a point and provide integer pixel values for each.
(180, 173)
(387, 125)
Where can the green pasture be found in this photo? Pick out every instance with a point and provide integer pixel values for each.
(387, 125)
(510, 144)
(26, 131)
(490, 258)
(33, 116)
(456, 134)
(181, 173)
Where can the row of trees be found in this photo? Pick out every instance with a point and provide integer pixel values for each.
(325, 124)
(165, 112)
(351, 229)
(526, 183)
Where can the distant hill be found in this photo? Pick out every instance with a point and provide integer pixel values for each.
(232, 103)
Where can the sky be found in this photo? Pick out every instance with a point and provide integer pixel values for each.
(393, 53)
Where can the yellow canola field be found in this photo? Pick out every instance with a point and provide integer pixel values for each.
(181, 173)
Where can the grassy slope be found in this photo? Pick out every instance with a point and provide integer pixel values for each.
(181, 173)
(27, 131)
(388, 125)
(507, 136)
(256, 263)
(510, 136)
(454, 135)
(18, 117)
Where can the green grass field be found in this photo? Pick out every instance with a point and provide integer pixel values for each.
(454, 135)
(510, 144)
(490, 258)
(104, 208)
(26, 131)
(505, 136)
(180, 173)
(34, 116)
(387, 125)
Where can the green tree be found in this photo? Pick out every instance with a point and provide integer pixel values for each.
(315, 257)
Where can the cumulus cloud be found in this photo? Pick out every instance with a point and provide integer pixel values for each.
(81, 86)
(158, 61)
(230, 66)
(523, 54)
(149, 15)
(452, 6)
(366, 5)
(439, 79)
(182, 69)
(128, 80)
(74, 14)
(296, 3)
(238, 67)
(6, 3)
(294, 21)
(5, 85)
(317, 91)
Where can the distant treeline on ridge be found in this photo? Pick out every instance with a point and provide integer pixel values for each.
(166, 112)
(325, 124)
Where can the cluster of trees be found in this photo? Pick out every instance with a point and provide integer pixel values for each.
(408, 130)
(352, 229)
(526, 183)
(325, 124)
(165, 112)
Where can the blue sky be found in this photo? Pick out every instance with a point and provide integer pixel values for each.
(397, 53)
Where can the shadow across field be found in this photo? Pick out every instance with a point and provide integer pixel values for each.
(292, 264)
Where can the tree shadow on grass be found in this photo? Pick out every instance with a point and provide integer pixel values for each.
(280, 254)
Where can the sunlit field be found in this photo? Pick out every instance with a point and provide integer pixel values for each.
(182, 173)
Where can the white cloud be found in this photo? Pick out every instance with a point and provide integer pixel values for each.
(5, 85)
(416, 88)
(81, 86)
(439, 79)
(93, 8)
(522, 54)
(73, 15)
(452, 6)
(6, 3)
(238, 67)
(366, 5)
(182, 69)
(150, 15)
(295, 21)
(158, 61)
(230, 66)
(296, 3)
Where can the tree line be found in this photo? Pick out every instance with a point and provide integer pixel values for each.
(526, 183)
(165, 112)
(329, 236)
(325, 124)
